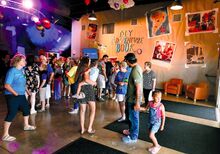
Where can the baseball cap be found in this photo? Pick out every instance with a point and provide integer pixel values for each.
(130, 57)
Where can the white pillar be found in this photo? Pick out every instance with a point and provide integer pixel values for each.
(76, 39)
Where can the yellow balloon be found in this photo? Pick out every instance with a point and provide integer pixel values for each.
(40, 27)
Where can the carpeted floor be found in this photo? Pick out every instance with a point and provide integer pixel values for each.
(180, 135)
(190, 110)
(84, 146)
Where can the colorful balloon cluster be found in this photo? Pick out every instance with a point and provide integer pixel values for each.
(42, 24)
(120, 4)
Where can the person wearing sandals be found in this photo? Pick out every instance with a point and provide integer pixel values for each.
(156, 119)
(15, 86)
(88, 90)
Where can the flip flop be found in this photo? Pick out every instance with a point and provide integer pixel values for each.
(8, 138)
(29, 128)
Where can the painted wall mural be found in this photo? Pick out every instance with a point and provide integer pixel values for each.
(164, 51)
(201, 22)
(128, 42)
(158, 23)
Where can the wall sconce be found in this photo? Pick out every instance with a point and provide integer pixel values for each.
(92, 16)
(176, 5)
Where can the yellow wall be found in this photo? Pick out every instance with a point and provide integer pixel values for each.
(164, 71)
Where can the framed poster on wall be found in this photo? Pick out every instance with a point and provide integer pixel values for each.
(201, 22)
(158, 23)
(164, 51)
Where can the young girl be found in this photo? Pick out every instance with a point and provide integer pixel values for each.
(156, 119)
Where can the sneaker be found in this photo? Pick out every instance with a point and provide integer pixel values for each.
(38, 105)
(155, 149)
(101, 99)
(47, 106)
(33, 112)
(128, 140)
(80, 96)
(121, 119)
(41, 110)
(126, 132)
(74, 111)
(68, 97)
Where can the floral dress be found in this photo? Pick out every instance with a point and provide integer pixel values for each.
(32, 72)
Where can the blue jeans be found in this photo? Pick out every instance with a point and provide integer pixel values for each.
(74, 87)
(57, 89)
(134, 119)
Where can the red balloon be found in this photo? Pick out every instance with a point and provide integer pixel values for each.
(46, 23)
(87, 2)
(125, 1)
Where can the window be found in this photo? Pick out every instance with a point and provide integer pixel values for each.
(133, 21)
(108, 28)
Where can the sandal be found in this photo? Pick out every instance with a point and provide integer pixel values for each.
(8, 138)
(30, 128)
(91, 132)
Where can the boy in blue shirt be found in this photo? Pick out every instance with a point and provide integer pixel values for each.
(121, 80)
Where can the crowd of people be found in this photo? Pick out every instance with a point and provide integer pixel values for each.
(85, 81)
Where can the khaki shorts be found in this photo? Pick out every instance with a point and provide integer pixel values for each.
(101, 81)
(48, 91)
(120, 97)
(42, 92)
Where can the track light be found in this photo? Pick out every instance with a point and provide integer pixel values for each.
(176, 5)
(92, 16)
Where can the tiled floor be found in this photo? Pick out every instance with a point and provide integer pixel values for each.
(56, 128)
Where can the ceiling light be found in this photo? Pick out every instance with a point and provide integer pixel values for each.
(176, 5)
(92, 16)
(27, 4)
(3, 2)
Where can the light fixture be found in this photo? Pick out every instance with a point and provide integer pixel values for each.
(3, 2)
(176, 5)
(92, 16)
(27, 4)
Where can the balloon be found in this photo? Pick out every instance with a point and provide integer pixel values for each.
(40, 27)
(116, 5)
(46, 23)
(87, 2)
(125, 1)
(38, 23)
(122, 7)
(95, 1)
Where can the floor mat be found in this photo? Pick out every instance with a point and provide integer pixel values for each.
(84, 146)
(180, 135)
(190, 110)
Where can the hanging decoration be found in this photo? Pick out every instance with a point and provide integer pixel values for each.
(46, 23)
(121, 4)
(43, 24)
(87, 2)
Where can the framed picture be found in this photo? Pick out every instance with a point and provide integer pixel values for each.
(164, 51)
(92, 29)
(177, 18)
(194, 55)
(201, 22)
(158, 23)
